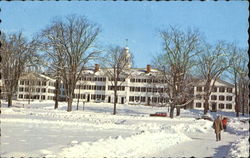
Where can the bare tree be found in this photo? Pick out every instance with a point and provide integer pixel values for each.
(239, 70)
(70, 44)
(180, 50)
(117, 62)
(212, 63)
(16, 53)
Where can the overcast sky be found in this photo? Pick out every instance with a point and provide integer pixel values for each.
(138, 22)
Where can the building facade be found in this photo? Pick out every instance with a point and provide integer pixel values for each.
(32, 86)
(222, 96)
(143, 86)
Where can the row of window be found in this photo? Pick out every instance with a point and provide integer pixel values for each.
(141, 80)
(144, 89)
(221, 106)
(35, 83)
(149, 99)
(100, 79)
(91, 87)
(215, 89)
(27, 96)
(214, 97)
(38, 90)
(93, 96)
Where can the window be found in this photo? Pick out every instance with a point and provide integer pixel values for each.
(21, 89)
(137, 89)
(213, 97)
(222, 89)
(132, 89)
(26, 89)
(221, 97)
(221, 106)
(131, 98)
(103, 97)
(132, 80)
(228, 106)
(43, 90)
(199, 89)
(154, 90)
(22, 82)
(51, 84)
(143, 89)
(137, 98)
(229, 98)
(20, 96)
(215, 89)
(198, 97)
(149, 89)
(44, 83)
(143, 99)
(43, 97)
(38, 90)
(198, 105)
(93, 96)
(149, 80)
(26, 83)
(229, 90)
(154, 99)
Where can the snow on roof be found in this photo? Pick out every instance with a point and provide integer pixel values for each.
(36, 75)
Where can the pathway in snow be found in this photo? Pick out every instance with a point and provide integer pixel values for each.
(202, 145)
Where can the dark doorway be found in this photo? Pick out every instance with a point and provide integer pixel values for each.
(88, 98)
(122, 100)
(109, 99)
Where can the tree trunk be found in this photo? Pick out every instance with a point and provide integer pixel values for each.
(70, 100)
(78, 97)
(236, 101)
(206, 106)
(57, 94)
(178, 111)
(115, 95)
(9, 100)
(171, 111)
(243, 100)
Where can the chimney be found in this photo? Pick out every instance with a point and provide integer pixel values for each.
(148, 68)
(97, 67)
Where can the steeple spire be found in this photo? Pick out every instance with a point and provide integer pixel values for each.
(126, 42)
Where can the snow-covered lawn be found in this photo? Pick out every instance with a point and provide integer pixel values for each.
(37, 130)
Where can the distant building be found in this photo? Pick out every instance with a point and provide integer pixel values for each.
(222, 97)
(32, 86)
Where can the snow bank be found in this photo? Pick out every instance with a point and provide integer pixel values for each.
(200, 127)
(240, 148)
(137, 145)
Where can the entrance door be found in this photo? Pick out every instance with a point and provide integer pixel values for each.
(214, 107)
(88, 98)
(122, 100)
(109, 99)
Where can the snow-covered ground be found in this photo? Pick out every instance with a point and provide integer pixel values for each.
(37, 130)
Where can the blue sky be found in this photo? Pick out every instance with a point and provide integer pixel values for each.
(138, 22)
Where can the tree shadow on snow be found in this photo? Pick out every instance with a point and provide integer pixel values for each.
(222, 151)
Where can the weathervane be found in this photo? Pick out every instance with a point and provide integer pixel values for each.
(126, 42)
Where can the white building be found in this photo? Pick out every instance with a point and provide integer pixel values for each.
(222, 96)
(32, 86)
(141, 87)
